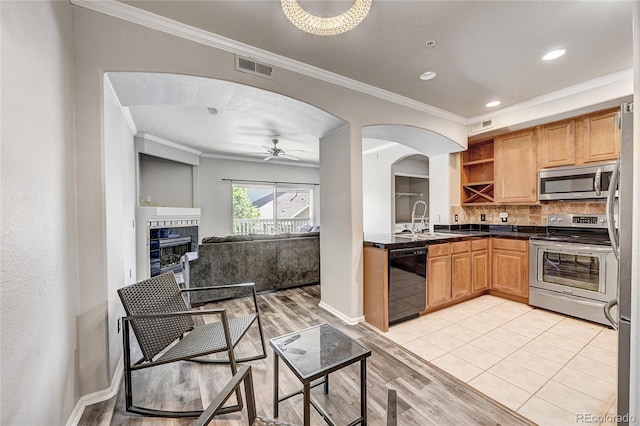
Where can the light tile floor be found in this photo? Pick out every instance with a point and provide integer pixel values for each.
(548, 367)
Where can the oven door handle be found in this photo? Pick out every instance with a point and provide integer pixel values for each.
(607, 313)
(611, 225)
(596, 181)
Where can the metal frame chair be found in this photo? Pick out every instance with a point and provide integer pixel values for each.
(166, 332)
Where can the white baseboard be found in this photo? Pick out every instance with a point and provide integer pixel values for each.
(99, 396)
(340, 315)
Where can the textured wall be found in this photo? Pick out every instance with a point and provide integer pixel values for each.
(38, 258)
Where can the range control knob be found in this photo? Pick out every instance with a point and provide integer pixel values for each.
(552, 219)
(560, 219)
(603, 220)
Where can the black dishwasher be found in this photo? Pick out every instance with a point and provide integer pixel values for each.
(407, 283)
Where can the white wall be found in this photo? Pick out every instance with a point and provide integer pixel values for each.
(378, 188)
(440, 176)
(216, 194)
(120, 202)
(341, 264)
(38, 261)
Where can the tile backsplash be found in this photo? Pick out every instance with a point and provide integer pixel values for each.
(524, 215)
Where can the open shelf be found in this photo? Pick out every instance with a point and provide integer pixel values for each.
(477, 181)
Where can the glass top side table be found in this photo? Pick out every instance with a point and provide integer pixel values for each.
(314, 353)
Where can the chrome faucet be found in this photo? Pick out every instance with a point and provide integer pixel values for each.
(414, 217)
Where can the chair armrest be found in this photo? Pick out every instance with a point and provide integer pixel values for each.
(173, 314)
(217, 287)
(243, 374)
(251, 286)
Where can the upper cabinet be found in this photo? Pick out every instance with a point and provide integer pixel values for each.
(504, 169)
(557, 144)
(599, 137)
(516, 174)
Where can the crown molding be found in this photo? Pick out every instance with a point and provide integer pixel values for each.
(132, 14)
(165, 142)
(558, 94)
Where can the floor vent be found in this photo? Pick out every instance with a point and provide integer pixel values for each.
(249, 66)
(481, 125)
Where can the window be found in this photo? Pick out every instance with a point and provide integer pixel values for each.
(271, 209)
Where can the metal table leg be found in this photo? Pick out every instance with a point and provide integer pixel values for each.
(363, 391)
(307, 404)
(275, 386)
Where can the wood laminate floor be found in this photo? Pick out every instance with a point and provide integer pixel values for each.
(426, 394)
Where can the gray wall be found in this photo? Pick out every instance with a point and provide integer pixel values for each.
(167, 183)
(39, 291)
(120, 201)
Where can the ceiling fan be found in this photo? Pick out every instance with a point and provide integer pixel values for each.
(275, 152)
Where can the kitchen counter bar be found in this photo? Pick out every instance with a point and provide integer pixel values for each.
(459, 233)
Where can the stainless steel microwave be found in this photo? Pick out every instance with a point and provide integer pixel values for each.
(575, 182)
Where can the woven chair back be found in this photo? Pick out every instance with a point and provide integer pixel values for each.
(159, 294)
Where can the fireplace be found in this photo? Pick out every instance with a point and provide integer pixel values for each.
(162, 236)
(168, 244)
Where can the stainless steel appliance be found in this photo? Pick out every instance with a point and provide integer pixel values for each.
(407, 283)
(622, 242)
(573, 267)
(575, 182)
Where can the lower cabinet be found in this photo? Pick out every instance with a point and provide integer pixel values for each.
(438, 274)
(480, 266)
(510, 267)
(460, 269)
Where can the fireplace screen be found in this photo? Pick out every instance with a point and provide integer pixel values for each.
(167, 245)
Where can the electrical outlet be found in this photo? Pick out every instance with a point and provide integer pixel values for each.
(503, 219)
(483, 217)
(455, 217)
(437, 218)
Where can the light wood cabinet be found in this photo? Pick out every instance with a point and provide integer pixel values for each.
(599, 137)
(438, 274)
(480, 265)
(516, 168)
(510, 267)
(460, 269)
(557, 144)
(376, 287)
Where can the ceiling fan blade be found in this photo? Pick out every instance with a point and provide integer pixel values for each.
(268, 158)
(290, 157)
(296, 150)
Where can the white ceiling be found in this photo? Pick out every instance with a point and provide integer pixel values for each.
(484, 50)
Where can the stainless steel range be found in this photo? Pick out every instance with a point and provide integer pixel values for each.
(573, 269)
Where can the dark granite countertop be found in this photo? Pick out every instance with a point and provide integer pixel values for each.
(459, 233)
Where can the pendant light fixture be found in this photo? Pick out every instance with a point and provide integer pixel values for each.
(320, 25)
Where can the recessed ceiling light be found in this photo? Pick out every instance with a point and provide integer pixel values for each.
(554, 54)
(427, 75)
(493, 104)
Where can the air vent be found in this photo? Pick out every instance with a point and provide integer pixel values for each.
(481, 125)
(249, 66)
